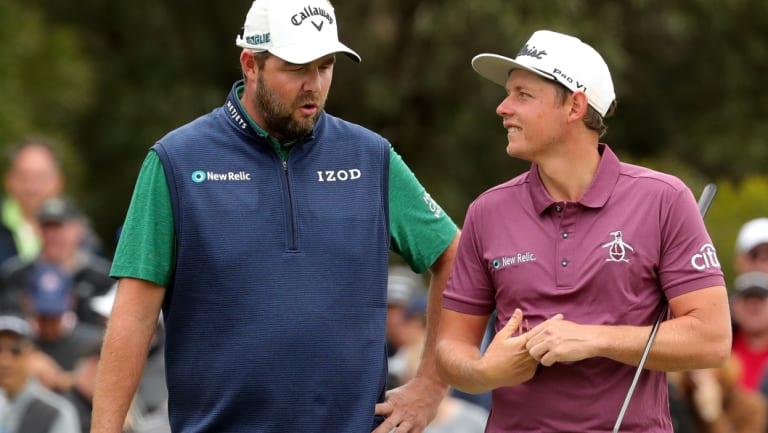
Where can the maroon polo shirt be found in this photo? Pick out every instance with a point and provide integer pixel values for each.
(635, 237)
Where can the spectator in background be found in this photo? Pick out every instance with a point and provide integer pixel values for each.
(749, 306)
(717, 403)
(80, 393)
(402, 285)
(64, 230)
(48, 301)
(149, 409)
(27, 406)
(455, 414)
(752, 247)
(33, 175)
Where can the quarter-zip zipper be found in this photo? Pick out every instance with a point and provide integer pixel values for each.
(292, 236)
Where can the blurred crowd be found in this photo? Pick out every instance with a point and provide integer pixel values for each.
(55, 300)
(56, 296)
(406, 330)
(732, 398)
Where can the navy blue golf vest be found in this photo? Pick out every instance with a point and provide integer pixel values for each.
(275, 317)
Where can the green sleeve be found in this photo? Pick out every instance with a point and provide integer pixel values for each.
(146, 246)
(420, 229)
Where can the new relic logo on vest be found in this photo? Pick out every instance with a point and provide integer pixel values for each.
(200, 176)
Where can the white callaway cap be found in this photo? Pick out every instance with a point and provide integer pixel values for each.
(558, 57)
(297, 31)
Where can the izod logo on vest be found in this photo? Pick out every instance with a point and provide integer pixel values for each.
(338, 175)
(200, 176)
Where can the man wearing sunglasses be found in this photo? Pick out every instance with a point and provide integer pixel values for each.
(25, 405)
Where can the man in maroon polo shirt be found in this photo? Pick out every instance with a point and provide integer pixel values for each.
(576, 256)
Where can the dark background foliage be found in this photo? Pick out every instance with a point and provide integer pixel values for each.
(105, 80)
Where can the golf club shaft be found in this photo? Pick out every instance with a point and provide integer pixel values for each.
(705, 200)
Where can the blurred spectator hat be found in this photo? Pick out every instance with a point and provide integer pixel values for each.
(557, 57)
(102, 304)
(50, 290)
(58, 209)
(751, 283)
(297, 31)
(13, 324)
(752, 234)
(417, 307)
(402, 285)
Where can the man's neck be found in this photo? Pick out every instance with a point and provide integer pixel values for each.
(13, 390)
(567, 174)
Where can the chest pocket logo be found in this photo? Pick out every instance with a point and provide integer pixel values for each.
(617, 248)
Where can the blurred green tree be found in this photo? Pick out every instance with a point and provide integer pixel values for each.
(688, 76)
(45, 83)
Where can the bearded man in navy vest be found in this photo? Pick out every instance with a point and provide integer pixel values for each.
(262, 231)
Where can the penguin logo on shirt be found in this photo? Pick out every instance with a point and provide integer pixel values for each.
(617, 248)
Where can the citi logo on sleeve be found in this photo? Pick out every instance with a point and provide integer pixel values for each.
(706, 258)
(200, 176)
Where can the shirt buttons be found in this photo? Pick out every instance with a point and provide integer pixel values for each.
(565, 235)
(564, 263)
(558, 208)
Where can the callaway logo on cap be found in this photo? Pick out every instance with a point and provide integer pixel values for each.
(558, 57)
(297, 31)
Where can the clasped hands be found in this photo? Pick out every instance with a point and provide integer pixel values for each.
(515, 352)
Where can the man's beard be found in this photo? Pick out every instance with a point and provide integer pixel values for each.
(278, 116)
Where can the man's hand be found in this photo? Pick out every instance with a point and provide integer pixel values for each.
(506, 361)
(707, 394)
(410, 407)
(48, 372)
(559, 340)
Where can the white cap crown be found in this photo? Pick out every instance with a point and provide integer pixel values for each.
(296, 31)
(558, 57)
(752, 234)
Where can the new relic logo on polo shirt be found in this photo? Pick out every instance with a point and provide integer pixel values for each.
(519, 258)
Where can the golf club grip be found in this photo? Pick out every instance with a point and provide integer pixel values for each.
(705, 200)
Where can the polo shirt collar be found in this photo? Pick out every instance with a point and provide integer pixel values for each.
(597, 193)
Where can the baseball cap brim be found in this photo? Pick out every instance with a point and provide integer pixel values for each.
(15, 325)
(754, 291)
(497, 68)
(303, 53)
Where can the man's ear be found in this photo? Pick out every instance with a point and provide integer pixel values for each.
(579, 105)
(248, 65)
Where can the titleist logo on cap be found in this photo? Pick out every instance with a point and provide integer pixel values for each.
(531, 52)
